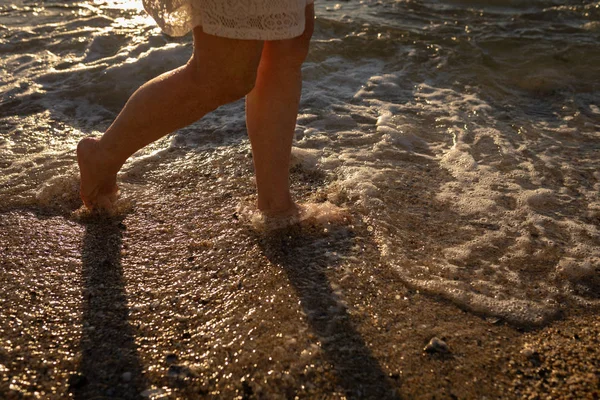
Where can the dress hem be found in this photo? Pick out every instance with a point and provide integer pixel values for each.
(197, 20)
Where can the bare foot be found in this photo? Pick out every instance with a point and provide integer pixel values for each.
(98, 189)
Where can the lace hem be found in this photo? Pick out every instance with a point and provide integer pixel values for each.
(236, 19)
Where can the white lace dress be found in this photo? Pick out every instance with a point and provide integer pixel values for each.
(236, 19)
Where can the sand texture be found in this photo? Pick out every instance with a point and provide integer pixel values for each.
(192, 303)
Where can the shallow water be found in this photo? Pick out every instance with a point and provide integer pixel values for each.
(465, 134)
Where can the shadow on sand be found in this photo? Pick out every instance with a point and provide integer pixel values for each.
(305, 257)
(110, 366)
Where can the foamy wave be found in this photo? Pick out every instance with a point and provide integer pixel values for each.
(315, 215)
(60, 192)
(500, 234)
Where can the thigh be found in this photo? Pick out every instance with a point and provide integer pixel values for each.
(223, 58)
(291, 52)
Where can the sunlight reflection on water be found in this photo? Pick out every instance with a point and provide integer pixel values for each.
(132, 13)
(120, 4)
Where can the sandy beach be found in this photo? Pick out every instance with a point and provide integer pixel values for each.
(189, 302)
(462, 137)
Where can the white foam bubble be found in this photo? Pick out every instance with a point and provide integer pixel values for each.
(307, 158)
(539, 198)
(60, 191)
(576, 269)
(319, 215)
(508, 270)
(459, 161)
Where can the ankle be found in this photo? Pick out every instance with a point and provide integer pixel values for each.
(109, 160)
(92, 150)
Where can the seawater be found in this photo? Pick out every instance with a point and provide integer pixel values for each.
(464, 133)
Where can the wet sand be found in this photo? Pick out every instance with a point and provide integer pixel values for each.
(177, 298)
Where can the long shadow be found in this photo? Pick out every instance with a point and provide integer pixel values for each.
(110, 365)
(305, 257)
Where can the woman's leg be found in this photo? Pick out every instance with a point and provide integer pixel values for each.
(271, 111)
(220, 71)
